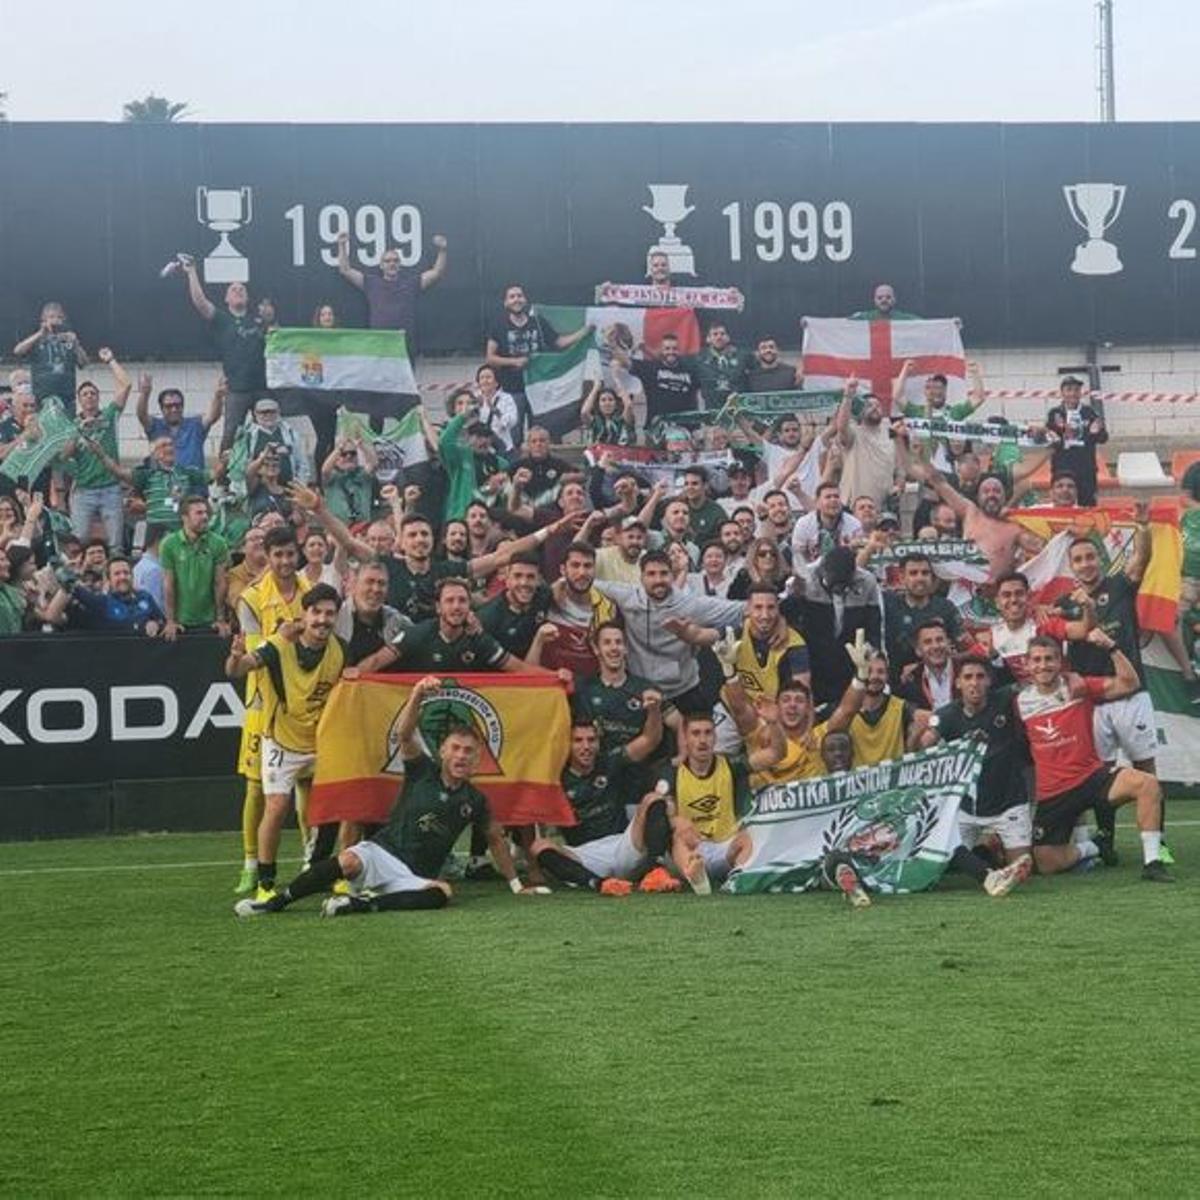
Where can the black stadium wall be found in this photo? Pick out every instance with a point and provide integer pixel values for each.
(1032, 234)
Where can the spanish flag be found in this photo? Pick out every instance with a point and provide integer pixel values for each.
(1158, 597)
(523, 722)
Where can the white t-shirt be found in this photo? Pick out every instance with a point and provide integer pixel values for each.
(810, 539)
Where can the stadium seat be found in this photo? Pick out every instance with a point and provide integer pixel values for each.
(1106, 479)
(1141, 469)
(1180, 461)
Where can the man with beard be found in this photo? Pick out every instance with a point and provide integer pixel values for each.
(539, 475)
(934, 406)
(577, 611)
(514, 336)
(829, 524)
(777, 521)
(669, 383)
(762, 665)
(704, 513)
(1125, 726)
(913, 605)
(884, 300)
(397, 869)
(720, 368)
(120, 609)
(606, 849)
(868, 449)
(768, 372)
(414, 575)
(1058, 712)
(983, 519)
(885, 726)
(516, 618)
(619, 563)
(929, 682)
(733, 541)
(999, 805)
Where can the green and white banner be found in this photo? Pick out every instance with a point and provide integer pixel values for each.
(770, 405)
(333, 360)
(897, 823)
(923, 429)
(44, 436)
(400, 444)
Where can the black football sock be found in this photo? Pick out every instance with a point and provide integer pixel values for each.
(266, 875)
(323, 842)
(1106, 818)
(969, 863)
(395, 901)
(657, 828)
(568, 870)
(479, 842)
(320, 877)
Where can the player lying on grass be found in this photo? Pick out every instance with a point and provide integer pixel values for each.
(607, 849)
(398, 868)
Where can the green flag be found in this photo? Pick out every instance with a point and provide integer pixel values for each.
(400, 444)
(340, 360)
(44, 437)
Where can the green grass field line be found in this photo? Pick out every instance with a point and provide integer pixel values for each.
(943, 1044)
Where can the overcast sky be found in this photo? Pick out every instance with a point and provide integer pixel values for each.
(626, 60)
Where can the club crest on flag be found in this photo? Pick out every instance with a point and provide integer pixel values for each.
(450, 708)
(312, 371)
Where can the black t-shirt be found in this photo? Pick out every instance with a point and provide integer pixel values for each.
(1116, 614)
(536, 336)
(430, 817)
(668, 389)
(52, 366)
(546, 475)
(515, 630)
(1002, 781)
(412, 594)
(779, 378)
(422, 648)
(598, 806)
(240, 343)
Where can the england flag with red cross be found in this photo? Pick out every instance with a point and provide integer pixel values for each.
(836, 348)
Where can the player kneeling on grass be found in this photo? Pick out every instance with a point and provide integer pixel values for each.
(606, 849)
(1057, 710)
(398, 867)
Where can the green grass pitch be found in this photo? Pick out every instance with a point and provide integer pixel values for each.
(942, 1044)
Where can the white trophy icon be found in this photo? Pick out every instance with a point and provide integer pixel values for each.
(1095, 207)
(224, 210)
(668, 205)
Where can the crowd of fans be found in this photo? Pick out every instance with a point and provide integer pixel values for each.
(716, 606)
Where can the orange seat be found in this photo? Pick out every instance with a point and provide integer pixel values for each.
(1180, 461)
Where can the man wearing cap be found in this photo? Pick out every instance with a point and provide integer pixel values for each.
(267, 429)
(619, 563)
(1080, 429)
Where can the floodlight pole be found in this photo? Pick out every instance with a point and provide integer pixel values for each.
(1105, 83)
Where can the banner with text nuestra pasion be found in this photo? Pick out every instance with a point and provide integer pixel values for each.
(896, 822)
(524, 726)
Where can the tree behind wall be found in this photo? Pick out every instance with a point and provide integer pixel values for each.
(154, 109)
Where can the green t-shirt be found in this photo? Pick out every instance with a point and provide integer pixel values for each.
(412, 594)
(430, 817)
(12, 609)
(1189, 527)
(951, 412)
(619, 717)
(515, 630)
(163, 490)
(87, 467)
(703, 522)
(193, 565)
(599, 807)
(458, 461)
(422, 648)
(349, 495)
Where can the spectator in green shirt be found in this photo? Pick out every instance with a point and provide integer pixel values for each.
(194, 564)
(347, 478)
(720, 368)
(161, 483)
(96, 491)
(934, 405)
(13, 604)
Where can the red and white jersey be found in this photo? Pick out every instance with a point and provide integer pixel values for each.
(1058, 725)
(1012, 645)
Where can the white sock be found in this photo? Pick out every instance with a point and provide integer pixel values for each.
(250, 863)
(1087, 849)
(1151, 845)
(1081, 834)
